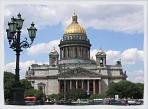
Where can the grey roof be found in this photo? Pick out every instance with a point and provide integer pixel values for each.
(75, 60)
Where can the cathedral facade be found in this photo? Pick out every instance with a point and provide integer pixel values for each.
(73, 68)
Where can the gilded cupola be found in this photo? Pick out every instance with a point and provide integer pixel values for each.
(75, 44)
(74, 27)
(101, 52)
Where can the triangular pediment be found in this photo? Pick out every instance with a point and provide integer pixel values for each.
(78, 72)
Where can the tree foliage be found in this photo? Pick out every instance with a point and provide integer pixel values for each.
(75, 94)
(97, 96)
(29, 90)
(125, 89)
(33, 92)
(55, 96)
(26, 84)
(9, 79)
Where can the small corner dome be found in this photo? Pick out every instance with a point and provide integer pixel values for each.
(53, 52)
(101, 52)
(92, 60)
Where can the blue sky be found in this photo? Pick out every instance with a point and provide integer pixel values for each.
(118, 29)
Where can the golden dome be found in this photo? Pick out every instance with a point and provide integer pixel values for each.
(74, 27)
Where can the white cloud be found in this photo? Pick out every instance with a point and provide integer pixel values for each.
(43, 48)
(120, 18)
(132, 55)
(23, 67)
(139, 78)
(136, 76)
(10, 67)
(113, 54)
(128, 56)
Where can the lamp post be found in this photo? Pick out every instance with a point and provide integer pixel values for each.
(14, 39)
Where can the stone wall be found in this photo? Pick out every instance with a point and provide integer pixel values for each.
(51, 86)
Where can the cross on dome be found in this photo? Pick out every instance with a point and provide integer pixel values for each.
(74, 18)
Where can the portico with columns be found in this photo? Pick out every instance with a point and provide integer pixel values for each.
(92, 86)
(79, 78)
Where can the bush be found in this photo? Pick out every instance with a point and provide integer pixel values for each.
(74, 94)
(55, 96)
(97, 96)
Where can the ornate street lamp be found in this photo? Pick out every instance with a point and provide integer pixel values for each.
(13, 35)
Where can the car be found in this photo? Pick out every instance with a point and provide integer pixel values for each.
(31, 102)
(117, 102)
(98, 101)
(139, 102)
(64, 102)
(49, 102)
(131, 102)
(83, 101)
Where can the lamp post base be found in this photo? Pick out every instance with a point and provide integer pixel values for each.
(18, 96)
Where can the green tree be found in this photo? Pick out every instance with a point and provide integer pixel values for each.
(97, 96)
(9, 79)
(55, 96)
(26, 84)
(33, 92)
(74, 94)
(124, 89)
(141, 88)
(140, 85)
(29, 90)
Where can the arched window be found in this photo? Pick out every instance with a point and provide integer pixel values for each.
(70, 37)
(41, 86)
(101, 61)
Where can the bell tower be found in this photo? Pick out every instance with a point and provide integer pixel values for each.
(53, 57)
(101, 58)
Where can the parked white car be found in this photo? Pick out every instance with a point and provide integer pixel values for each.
(131, 102)
(98, 101)
(83, 101)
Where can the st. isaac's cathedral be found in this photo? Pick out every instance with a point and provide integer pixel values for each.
(73, 68)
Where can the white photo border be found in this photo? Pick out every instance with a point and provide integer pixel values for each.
(46, 2)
